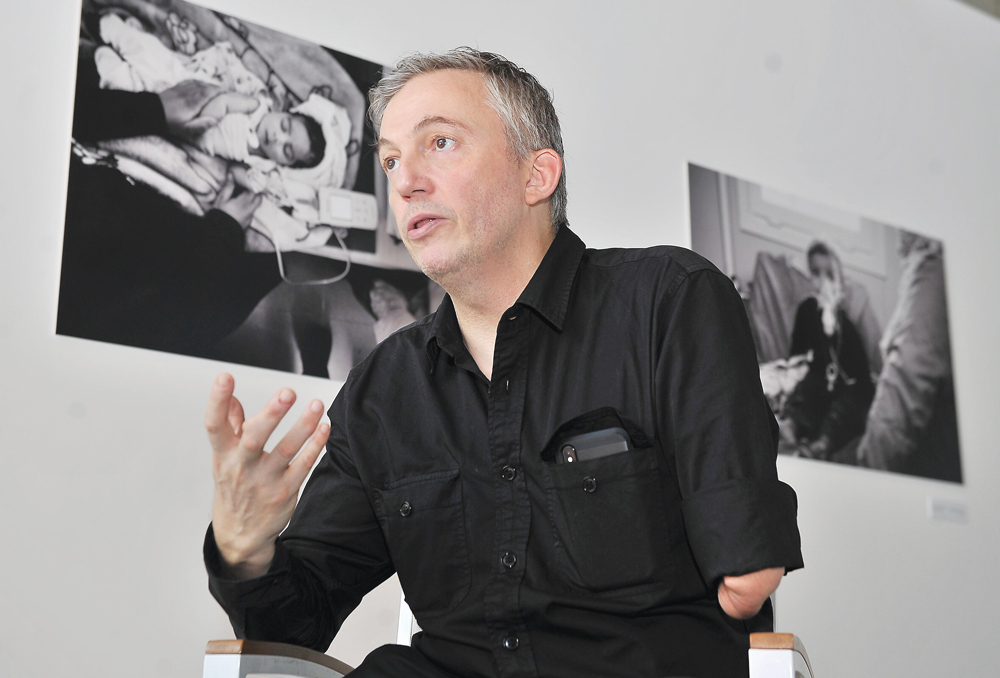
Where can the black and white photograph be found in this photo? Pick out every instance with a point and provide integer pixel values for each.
(850, 320)
(224, 200)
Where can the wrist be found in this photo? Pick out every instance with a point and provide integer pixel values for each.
(241, 559)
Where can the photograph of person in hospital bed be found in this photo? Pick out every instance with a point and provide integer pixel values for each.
(202, 146)
(285, 151)
(849, 317)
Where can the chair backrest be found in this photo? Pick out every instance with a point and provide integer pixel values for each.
(407, 624)
(242, 658)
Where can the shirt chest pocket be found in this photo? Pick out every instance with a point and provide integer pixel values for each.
(423, 520)
(610, 521)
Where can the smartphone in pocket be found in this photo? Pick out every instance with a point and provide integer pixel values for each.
(593, 445)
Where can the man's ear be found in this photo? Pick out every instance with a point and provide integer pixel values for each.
(543, 176)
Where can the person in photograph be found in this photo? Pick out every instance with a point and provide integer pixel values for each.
(389, 306)
(827, 408)
(912, 426)
(137, 268)
(657, 557)
(288, 156)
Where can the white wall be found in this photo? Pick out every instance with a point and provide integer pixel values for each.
(886, 108)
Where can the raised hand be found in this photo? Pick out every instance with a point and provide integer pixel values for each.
(256, 490)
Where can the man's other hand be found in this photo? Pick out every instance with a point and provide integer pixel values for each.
(255, 490)
(742, 597)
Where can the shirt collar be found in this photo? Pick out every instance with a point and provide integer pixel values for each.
(549, 288)
(547, 294)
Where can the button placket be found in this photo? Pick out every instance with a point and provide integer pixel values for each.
(513, 509)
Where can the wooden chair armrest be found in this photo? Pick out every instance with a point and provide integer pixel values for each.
(780, 641)
(265, 649)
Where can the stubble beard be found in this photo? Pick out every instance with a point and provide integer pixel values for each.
(494, 225)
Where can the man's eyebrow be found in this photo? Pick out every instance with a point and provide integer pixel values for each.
(440, 120)
(429, 121)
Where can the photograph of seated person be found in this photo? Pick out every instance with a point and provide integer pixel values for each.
(444, 451)
(827, 408)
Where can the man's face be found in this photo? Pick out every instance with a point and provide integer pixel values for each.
(457, 193)
(283, 138)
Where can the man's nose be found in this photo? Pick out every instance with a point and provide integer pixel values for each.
(411, 177)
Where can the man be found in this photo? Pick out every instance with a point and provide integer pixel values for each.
(442, 460)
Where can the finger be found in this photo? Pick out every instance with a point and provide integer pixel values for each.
(226, 192)
(247, 204)
(258, 428)
(293, 441)
(236, 416)
(241, 104)
(200, 124)
(210, 180)
(220, 432)
(299, 468)
(198, 184)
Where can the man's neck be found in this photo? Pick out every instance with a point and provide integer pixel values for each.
(482, 296)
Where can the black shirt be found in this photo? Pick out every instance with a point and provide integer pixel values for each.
(512, 564)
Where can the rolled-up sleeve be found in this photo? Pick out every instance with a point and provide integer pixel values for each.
(716, 422)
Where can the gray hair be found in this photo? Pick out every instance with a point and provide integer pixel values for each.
(522, 104)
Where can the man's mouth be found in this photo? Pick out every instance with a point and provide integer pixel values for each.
(421, 224)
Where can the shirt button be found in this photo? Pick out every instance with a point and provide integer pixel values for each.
(509, 560)
(590, 484)
(508, 472)
(405, 509)
(511, 642)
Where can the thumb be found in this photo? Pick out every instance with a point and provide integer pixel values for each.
(200, 124)
(241, 103)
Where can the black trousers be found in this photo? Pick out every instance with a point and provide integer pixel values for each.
(398, 661)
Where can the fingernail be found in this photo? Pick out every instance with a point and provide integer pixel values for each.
(286, 396)
(222, 380)
(324, 428)
(316, 406)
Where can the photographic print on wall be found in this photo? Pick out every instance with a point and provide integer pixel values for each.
(224, 199)
(850, 320)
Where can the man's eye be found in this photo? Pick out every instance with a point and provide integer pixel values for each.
(289, 152)
(390, 164)
(285, 124)
(443, 143)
